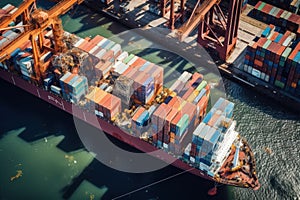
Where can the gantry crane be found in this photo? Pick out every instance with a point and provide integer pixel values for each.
(214, 29)
(37, 22)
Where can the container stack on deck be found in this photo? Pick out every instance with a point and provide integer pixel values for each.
(173, 121)
(104, 104)
(212, 138)
(279, 17)
(289, 5)
(274, 58)
(73, 86)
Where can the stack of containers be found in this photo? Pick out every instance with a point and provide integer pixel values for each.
(290, 5)
(8, 36)
(293, 62)
(147, 78)
(103, 49)
(208, 134)
(267, 58)
(294, 6)
(139, 121)
(244, 5)
(26, 66)
(103, 104)
(73, 86)
(158, 123)
(175, 119)
(271, 14)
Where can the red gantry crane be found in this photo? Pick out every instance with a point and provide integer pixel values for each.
(215, 30)
(35, 23)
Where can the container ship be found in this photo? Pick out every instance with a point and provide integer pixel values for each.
(245, 64)
(93, 78)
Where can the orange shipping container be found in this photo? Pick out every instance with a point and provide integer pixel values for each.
(169, 118)
(138, 63)
(258, 63)
(172, 140)
(85, 42)
(111, 106)
(213, 119)
(89, 47)
(96, 39)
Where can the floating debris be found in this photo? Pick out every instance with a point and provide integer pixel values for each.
(92, 197)
(268, 150)
(18, 175)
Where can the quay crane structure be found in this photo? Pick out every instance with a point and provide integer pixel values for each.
(214, 28)
(35, 21)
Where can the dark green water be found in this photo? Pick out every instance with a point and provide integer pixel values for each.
(42, 141)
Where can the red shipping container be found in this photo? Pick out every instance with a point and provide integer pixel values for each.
(275, 34)
(258, 63)
(169, 118)
(284, 37)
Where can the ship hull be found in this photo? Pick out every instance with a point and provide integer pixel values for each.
(107, 127)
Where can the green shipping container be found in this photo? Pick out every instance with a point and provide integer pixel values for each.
(201, 86)
(128, 58)
(279, 84)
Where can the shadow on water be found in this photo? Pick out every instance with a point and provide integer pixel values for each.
(283, 187)
(49, 120)
(120, 183)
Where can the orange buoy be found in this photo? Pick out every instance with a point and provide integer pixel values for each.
(212, 191)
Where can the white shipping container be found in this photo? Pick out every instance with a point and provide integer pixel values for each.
(100, 53)
(101, 42)
(3, 42)
(12, 36)
(109, 89)
(55, 89)
(267, 78)
(93, 49)
(184, 76)
(116, 49)
(192, 159)
(262, 76)
(123, 69)
(165, 146)
(7, 6)
(256, 73)
(245, 68)
(250, 70)
(79, 42)
(132, 60)
(50, 34)
(13, 11)
(123, 56)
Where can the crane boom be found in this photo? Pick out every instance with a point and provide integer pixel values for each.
(62, 7)
(40, 20)
(22, 8)
(196, 18)
(53, 13)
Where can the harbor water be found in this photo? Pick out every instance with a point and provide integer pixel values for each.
(42, 155)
